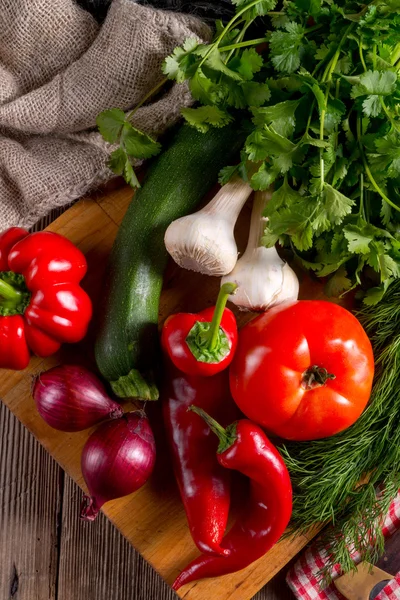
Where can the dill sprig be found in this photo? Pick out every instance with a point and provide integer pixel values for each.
(336, 479)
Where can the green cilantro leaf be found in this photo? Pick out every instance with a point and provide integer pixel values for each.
(358, 241)
(375, 294)
(226, 174)
(374, 84)
(372, 106)
(285, 47)
(263, 178)
(338, 283)
(202, 88)
(215, 62)
(130, 175)
(256, 94)
(387, 155)
(117, 160)
(202, 117)
(260, 9)
(110, 123)
(249, 63)
(283, 196)
(280, 116)
(137, 144)
(337, 204)
(309, 7)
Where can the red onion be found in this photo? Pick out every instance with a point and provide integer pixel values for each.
(71, 398)
(117, 459)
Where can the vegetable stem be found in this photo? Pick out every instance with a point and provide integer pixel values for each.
(387, 113)
(226, 437)
(361, 210)
(362, 56)
(368, 171)
(146, 97)
(8, 292)
(226, 29)
(226, 290)
(396, 55)
(327, 76)
(243, 44)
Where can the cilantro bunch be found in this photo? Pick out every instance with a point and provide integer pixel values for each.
(319, 94)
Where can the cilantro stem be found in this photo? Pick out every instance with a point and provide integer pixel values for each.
(327, 76)
(146, 97)
(396, 55)
(243, 44)
(374, 56)
(387, 113)
(368, 171)
(239, 38)
(313, 28)
(361, 211)
(226, 29)
(362, 57)
(321, 156)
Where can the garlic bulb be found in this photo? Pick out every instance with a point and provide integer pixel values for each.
(204, 241)
(262, 277)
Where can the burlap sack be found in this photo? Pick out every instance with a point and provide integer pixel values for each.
(58, 70)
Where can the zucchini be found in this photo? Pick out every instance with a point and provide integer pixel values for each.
(126, 347)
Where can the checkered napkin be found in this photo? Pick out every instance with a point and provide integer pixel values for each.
(302, 578)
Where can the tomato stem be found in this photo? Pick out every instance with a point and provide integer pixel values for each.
(315, 376)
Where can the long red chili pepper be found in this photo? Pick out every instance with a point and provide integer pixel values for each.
(203, 343)
(245, 448)
(203, 484)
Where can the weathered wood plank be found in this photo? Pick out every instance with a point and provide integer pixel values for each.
(97, 563)
(30, 497)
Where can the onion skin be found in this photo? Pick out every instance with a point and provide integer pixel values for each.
(71, 398)
(117, 459)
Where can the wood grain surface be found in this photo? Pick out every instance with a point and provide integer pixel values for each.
(152, 519)
(47, 553)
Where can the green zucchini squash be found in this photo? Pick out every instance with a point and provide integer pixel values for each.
(126, 347)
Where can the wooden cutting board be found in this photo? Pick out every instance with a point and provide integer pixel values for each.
(152, 519)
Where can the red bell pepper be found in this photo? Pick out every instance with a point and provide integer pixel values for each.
(245, 448)
(204, 343)
(41, 302)
(203, 484)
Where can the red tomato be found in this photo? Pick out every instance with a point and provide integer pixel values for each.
(303, 370)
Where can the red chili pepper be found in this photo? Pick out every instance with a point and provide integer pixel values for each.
(245, 448)
(41, 302)
(203, 484)
(204, 343)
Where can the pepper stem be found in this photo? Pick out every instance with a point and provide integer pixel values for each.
(227, 437)
(8, 292)
(315, 376)
(226, 290)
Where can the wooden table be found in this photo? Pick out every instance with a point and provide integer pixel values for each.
(46, 552)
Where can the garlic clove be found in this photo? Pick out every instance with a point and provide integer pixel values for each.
(207, 246)
(204, 241)
(262, 277)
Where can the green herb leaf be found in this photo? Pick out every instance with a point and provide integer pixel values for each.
(256, 94)
(338, 283)
(285, 47)
(263, 178)
(110, 123)
(117, 161)
(249, 63)
(137, 144)
(202, 117)
(130, 175)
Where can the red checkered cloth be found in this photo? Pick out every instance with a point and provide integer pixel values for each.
(302, 577)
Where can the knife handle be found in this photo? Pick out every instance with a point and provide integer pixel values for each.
(360, 584)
